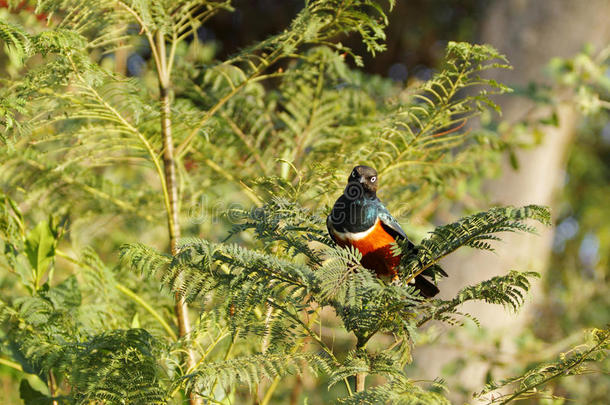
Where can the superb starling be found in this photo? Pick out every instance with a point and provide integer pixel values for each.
(359, 219)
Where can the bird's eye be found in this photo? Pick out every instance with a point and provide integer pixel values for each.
(354, 174)
(373, 179)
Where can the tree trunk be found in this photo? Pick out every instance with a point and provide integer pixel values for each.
(529, 33)
(173, 224)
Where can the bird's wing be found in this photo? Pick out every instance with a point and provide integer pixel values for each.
(390, 224)
(427, 288)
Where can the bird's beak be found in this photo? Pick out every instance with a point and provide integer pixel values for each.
(362, 179)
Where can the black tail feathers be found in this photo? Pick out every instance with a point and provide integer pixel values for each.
(427, 288)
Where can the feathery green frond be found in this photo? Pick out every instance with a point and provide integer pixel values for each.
(16, 39)
(508, 290)
(146, 260)
(342, 276)
(284, 221)
(110, 367)
(579, 360)
(118, 366)
(251, 370)
(399, 391)
(11, 230)
(319, 22)
(432, 120)
(474, 231)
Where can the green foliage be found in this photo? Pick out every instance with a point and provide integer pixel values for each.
(40, 249)
(508, 290)
(433, 109)
(15, 39)
(118, 366)
(321, 20)
(581, 359)
(400, 391)
(474, 231)
(31, 396)
(250, 370)
(576, 293)
(289, 279)
(47, 331)
(273, 125)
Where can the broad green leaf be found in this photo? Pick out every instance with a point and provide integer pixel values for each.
(30, 396)
(40, 248)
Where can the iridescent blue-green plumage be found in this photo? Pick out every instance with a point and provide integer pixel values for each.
(354, 215)
(358, 208)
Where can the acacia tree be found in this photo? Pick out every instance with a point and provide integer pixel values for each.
(116, 160)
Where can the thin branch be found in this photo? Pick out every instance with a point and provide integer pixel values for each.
(211, 347)
(173, 208)
(149, 35)
(244, 139)
(557, 374)
(52, 387)
(136, 298)
(247, 190)
(312, 334)
(181, 149)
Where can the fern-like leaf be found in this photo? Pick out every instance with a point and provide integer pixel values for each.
(473, 231)
(572, 363)
(250, 370)
(508, 290)
(399, 391)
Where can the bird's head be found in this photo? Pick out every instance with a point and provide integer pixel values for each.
(362, 180)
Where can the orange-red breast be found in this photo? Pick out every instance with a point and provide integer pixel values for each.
(359, 219)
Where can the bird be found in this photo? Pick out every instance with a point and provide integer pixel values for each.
(359, 219)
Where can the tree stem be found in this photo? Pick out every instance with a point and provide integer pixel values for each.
(361, 376)
(360, 379)
(184, 326)
(52, 387)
